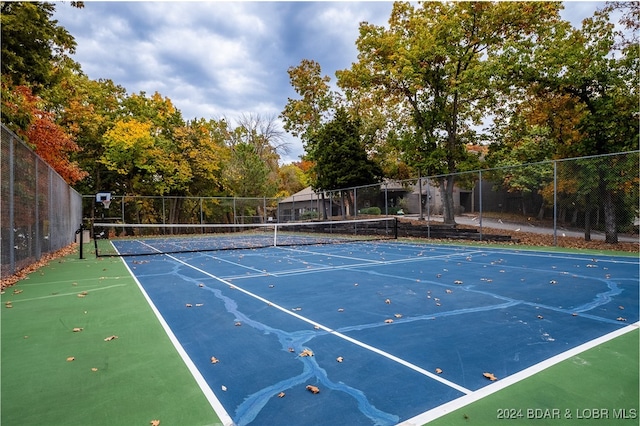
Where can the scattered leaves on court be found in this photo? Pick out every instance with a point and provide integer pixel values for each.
(490, 376)
(313, 389)
(8, 305)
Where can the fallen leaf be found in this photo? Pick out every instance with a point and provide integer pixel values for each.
(94, 369)
(224, 388)
(155, 422)
(490, 376)
(199, 304)
(306, 352)
(313, 389)
(77, 329)
(397, 315)
(214, 360)
(448, 291)
(438, 371)
(457, 282)
(621, 319)
(237, 324)
(388, 321)
(388, 301)
(540, 317)
(188, 305)
(621, 307)
(340, 310)
(291, 350)
(200, 285)
(339, 359)
(71, 358)
(108, 339)
(281, 395)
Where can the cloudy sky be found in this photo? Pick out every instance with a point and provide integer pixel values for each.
(224, 59)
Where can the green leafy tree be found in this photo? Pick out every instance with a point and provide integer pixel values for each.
(432, 66)
(340, 159)
(595, 72)
(32, 43)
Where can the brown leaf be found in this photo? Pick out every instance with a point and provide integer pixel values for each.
(155, 422)
(71, 358)
(490, 376)
(388, 321)
(77, 329)
(313, 389)
(108, 339)
(438, 371)
(306, 352)
(214, 360)
(339, 359)
(281, 395)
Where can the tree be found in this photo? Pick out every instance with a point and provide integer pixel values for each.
(433, 65)
(53, 143)
(32, 43)
(596, 77)
(340, 160)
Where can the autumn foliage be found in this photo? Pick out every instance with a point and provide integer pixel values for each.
(50, 141)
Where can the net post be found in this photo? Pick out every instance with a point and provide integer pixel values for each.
(275, 235)
(395, 228)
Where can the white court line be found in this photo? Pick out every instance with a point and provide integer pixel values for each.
(215, 403)
(67, 294)
(329, 330)
(463, 401)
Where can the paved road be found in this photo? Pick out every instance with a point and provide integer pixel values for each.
(518, 227)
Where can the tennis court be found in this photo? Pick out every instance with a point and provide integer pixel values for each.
(388, 332)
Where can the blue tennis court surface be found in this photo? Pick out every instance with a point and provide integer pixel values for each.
(386, 331)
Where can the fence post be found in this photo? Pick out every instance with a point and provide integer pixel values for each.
(480, 201)
(555, 203)
(386, 202)
(12, 233)
(428, 209)
(421, 217)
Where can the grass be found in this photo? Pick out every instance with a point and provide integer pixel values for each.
(138, 377)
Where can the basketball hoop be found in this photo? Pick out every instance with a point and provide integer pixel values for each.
(104, 198)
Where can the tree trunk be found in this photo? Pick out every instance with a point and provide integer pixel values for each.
(446, 193)
(608, 204)
(587, 224)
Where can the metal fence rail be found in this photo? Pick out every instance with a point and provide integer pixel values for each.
(40, 211)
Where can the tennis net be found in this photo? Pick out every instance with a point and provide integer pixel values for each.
(120, 239)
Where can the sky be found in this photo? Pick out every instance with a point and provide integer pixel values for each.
(224, 59)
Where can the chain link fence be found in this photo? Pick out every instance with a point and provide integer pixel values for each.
(181, 210)
(40, 211)
(590, 197)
